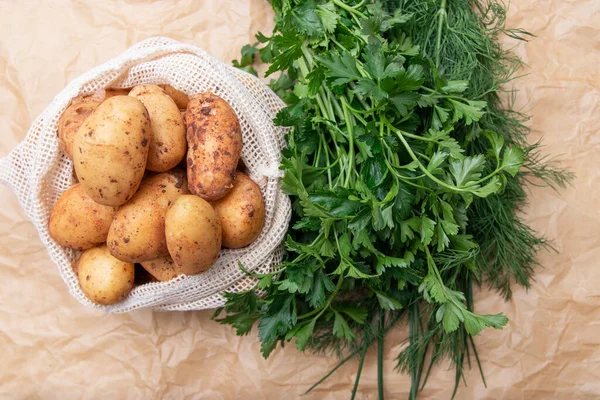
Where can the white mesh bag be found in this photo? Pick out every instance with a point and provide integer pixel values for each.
(38, 172)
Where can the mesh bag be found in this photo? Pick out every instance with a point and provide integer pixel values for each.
(38, 172)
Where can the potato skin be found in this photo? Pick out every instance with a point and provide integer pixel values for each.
(180, 98)
(193, 233)
(241, 212)
(77, 112)
(168, 144)
(163, 268)
(104, 279)
(111, 149)
(214, 146)
(79, 222)
(71, 120)
(137, 232)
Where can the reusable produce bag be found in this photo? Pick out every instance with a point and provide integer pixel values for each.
(38, 172)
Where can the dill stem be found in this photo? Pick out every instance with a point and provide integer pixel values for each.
(342, 362)
(360, 365)
(380, 336)
(438, 39)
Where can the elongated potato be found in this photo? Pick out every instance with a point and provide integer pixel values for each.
(104, 279)
(193, 233)
(214, 146)
(137, 232)
(242, 213)
(180, 98)
(167, 145)
(111, 149)
(71, 120)
(163, 268)
(79, 222)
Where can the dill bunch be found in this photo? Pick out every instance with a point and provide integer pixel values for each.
(463, 37)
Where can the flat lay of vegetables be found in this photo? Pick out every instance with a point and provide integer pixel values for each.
(408, 170)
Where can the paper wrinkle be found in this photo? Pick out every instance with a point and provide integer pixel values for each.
(52, 347)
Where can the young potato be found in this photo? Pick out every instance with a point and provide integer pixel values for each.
(71, 120)
(242, 213)
(193, 233)
(167, 145)
(104, 279)
(79, 222)
(180, 98)
(111, 149)
(137, 232)
(163, 268)
(214, 146)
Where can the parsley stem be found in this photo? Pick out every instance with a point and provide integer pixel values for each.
(318, 155)
(302, 64)
(441, 95)
(322, 95)
(350, 129)
(324, 307)
(422, 167)
(327, 102)
(401, 177)
(417, 137)
(328, 164)
(348, 8)
(359, 4)
(400, 135)
(335, 102)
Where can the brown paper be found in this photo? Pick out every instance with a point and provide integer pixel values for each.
(52, 347)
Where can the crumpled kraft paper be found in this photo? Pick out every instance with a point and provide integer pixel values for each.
(52, 347)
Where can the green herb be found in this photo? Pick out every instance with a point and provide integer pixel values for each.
(406, 175)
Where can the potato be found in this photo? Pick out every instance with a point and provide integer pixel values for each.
(193, 233)
(214, 146)
(79, 222)
(137, 232)
(71, 120)
(241, 212)
(104, 279)
(167, 144)
(180, 98)
(111, 149)
(163, 268)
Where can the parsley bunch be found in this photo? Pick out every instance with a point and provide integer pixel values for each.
(405, 174)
